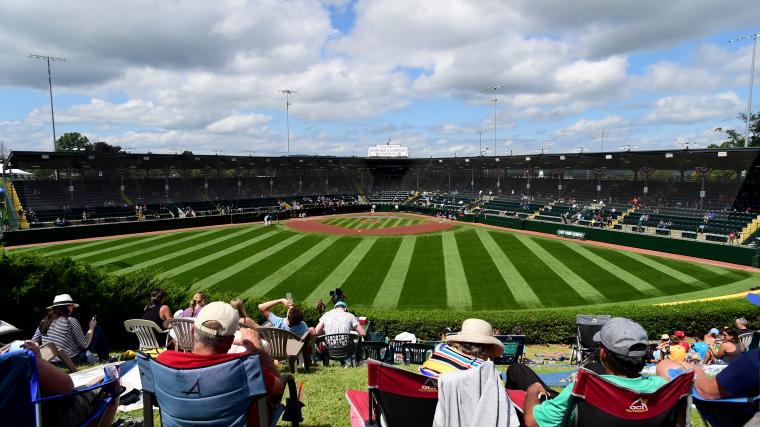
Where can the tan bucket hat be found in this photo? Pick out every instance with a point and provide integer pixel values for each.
(478, 331)
(63, 299)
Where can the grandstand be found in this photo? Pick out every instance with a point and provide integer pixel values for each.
(705, 194)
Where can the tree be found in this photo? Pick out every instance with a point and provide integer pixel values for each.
(72, 141)
(736, 138)
(103, 147)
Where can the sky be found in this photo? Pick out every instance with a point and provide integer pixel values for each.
(207, 76)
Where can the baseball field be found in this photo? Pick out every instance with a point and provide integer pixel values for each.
(401, 261)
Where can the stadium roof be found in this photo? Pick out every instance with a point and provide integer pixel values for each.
(721, 159)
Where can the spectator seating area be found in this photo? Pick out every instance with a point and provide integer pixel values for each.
(389, 197)
(513, 206)
(696, 221)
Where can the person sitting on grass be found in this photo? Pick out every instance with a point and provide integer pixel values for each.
(196, 305)
(741, 326)
(622, 353)
(293, 320)
(62, 329)
(700, 347)
(679, 338)
(467, 349)
(214, 333)
(730, 349)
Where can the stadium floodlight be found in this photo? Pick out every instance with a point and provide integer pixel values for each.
(287, 93)
(629, 147)
(754, 38)
(494, 88)
(480, 143)
(686, 144)
(50, 85)
(581, 149)
(250, 153)
(603, 134)
(541, 150)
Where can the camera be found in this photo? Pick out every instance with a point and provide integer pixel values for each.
(337, 295)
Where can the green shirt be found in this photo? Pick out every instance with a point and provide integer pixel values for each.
(552, 412)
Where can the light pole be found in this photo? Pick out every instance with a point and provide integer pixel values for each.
(494, 88)
(754, 38)
(287, 93)
(50, 85)
(480, 144)
(604, 133)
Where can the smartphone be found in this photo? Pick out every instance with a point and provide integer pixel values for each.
(17, 345)
(289, 296)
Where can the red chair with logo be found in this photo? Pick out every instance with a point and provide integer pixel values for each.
(402, 398)
(599, 402)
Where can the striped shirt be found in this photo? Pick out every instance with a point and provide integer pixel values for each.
(446, 359)
(66, 333)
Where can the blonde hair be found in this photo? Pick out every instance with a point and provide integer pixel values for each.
(238, 305)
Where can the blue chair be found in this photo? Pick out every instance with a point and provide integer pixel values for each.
(217, 395)
(20, 397)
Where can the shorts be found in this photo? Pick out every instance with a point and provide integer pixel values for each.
(71, 411)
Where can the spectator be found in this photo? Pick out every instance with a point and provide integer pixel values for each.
(738, 379)
(63, 330)
(712, 336)
(741, 326)
(622, 351)
(700, 347)
(238, 305)
(293, 320)
(679, 338)
(213, 336)
(728, 350)
(71, 410)
(467, 349)
(338, 321)
(196, 305)
(663, 348)
(157, 311)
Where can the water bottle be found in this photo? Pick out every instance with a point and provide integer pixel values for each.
(111, 372)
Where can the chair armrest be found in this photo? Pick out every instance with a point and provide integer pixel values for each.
(305, 336)
(294, 347)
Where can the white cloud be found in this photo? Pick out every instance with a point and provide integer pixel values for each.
(237, 123)
(592, 127)
(694, 109)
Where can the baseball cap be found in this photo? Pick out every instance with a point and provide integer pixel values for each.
(664, 337)
(340, 304)
(619, 335)
(714, 331)
(221, 312)
(679, 334)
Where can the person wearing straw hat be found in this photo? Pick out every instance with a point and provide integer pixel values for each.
(469, 348)
(62, 329)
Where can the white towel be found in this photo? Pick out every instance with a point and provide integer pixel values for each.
(474, 398)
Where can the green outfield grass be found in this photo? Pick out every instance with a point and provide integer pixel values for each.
(372, 222)
(464, 268)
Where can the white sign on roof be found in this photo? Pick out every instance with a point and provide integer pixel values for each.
(388, 150)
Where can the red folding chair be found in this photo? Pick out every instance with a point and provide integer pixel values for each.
(599, 402)
(402, 398)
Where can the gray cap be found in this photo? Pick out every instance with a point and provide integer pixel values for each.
(619, 335)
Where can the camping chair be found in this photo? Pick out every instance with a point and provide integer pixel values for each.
(216, 395)
(395, 347)
(146, 334)
(286, 345)
(183, 333)
(746, 339)
(50, 353)
(20, 398)
(584, 349)
(599, 402)
(402, 398)
(416, 353)
(340, 347)
(372, 350)
(514, 347)
(726, 412)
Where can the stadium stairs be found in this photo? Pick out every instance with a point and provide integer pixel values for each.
(750, 231)
(621, 218)
(411, 199)
(16, 206)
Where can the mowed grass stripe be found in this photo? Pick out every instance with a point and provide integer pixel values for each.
(189, 254)
(266, 283)
(390, 291)
(581, 286)
(550, 288)
(230, 271)
(517, 285)
(425, 284)
(351, 222)
(457, 289)
(672, 272)
(667, 284)
(393, 222)
(643, 287)
(225, 258)
(713, 277)
(135, 244)
(341, 273)
(182, 238)
(365, 281)
(84, 247)
(488, 289)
